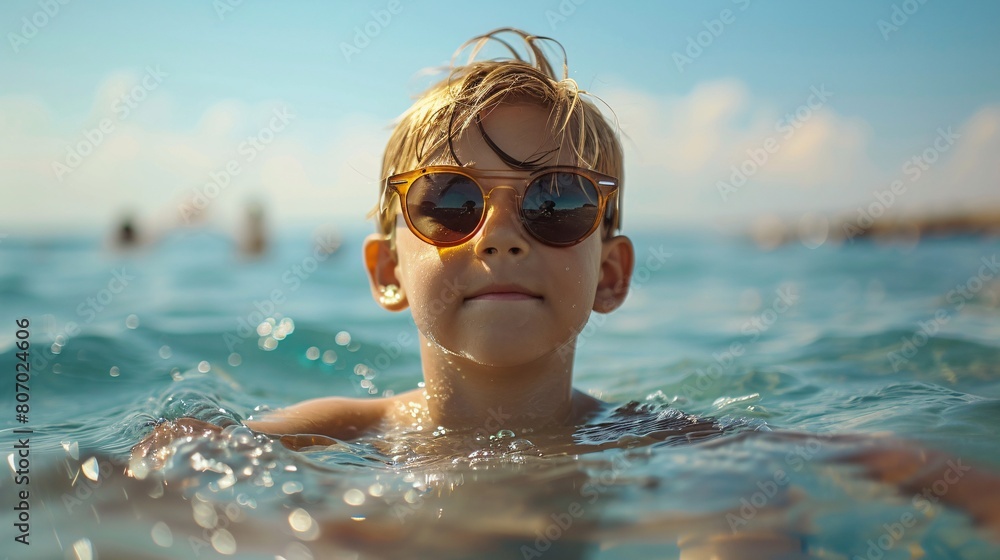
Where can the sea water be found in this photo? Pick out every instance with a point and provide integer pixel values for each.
(780, 347)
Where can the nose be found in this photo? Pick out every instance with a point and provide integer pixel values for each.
(502, 233)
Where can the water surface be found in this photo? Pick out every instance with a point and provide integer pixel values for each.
(861, 339)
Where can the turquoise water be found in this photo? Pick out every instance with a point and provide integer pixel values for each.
(862, 339)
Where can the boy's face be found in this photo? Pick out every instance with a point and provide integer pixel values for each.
(504, 298)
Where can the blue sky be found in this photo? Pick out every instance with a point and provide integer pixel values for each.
(219, 75)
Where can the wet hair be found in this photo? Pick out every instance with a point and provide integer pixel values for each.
(423, 135)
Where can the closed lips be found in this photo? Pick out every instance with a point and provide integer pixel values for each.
(503, 292)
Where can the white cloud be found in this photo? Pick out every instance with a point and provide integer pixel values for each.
(970, 177)
(679, 149)
(144, 164)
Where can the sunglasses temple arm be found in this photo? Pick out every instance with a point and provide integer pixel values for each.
(385, 209)
(613, 214)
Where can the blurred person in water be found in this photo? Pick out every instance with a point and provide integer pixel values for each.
(250, 237)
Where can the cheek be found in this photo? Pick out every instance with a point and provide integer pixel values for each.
(578, 273)
(431, 285)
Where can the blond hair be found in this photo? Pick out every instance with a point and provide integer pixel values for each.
(448, 108)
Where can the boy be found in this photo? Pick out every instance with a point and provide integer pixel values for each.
(498, 220)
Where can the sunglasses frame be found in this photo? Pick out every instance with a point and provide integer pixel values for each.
(399, 184)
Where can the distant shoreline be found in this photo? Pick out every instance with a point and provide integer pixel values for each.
(814, 230)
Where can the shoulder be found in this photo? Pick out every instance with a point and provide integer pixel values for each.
(337, 417)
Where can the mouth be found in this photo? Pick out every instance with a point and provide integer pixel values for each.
(503, 292)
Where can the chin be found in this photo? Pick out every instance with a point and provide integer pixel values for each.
(503, 354)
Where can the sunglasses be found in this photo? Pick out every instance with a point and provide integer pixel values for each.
(560, 206)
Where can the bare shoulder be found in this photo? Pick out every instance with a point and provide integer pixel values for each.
(336, 417)
(332, 417)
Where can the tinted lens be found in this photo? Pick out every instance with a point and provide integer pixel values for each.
(561, 207)
(444, 207)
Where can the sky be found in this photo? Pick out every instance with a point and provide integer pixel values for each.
(731, 111)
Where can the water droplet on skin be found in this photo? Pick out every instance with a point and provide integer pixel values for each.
(520, 445)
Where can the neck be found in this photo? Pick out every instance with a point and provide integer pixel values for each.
(463, 394)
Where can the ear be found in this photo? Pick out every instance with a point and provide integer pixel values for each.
(617, 261)
(380, 263)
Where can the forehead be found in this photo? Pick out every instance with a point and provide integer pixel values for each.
(522, 130)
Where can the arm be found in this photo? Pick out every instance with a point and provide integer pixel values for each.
(296, 426)
(334, 417)
(932, 477)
